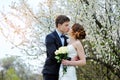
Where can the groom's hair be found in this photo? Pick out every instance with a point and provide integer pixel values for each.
(61, 19)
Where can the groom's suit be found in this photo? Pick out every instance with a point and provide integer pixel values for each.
(51, 67)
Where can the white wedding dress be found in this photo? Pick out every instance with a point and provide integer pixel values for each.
(71, 71)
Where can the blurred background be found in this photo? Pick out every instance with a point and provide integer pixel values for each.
(25, 23)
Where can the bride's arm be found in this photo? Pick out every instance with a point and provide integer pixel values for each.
(81, 56)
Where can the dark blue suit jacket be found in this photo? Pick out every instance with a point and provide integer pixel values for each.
(53, 42)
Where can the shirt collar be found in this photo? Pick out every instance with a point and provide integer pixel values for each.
(58, 32)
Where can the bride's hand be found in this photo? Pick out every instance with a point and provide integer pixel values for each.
(65, 62)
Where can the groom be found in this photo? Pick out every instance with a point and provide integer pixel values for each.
(53, 41)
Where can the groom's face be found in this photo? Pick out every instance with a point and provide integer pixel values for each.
(64, 28)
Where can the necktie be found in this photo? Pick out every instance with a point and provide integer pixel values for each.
(62, 36)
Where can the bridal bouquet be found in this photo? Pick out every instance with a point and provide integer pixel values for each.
(60, 54)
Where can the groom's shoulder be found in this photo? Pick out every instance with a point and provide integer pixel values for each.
(52, 34)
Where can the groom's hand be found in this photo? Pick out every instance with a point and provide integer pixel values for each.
(76, 58)
(69, 58)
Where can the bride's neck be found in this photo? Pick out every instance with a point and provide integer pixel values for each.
(72, 39)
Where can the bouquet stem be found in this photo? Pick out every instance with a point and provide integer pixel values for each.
(64, 69)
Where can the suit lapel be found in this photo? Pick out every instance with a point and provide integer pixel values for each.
(58, 41)
(65, 42)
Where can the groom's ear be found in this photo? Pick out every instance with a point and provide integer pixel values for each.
(59, 25)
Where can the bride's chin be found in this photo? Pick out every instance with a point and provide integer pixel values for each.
(68, 34)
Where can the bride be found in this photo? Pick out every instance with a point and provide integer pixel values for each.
(76, 52)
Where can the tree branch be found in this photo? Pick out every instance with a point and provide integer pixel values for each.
(110, 67)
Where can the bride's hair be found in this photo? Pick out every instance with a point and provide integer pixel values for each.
(78, 31)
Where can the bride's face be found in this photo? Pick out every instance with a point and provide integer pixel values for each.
(70, 32)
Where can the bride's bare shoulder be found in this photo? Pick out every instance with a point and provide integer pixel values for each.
(78, 43)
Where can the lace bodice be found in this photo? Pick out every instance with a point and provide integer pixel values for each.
(71, 51)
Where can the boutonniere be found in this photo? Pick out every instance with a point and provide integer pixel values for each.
(68, 40)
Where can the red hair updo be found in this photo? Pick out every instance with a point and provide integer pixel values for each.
(78, 31)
